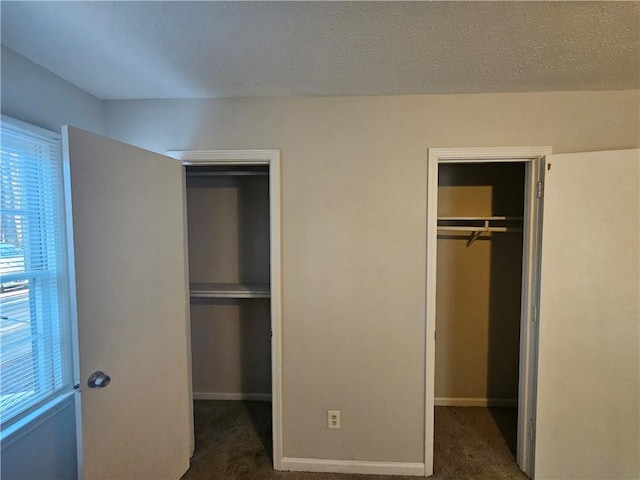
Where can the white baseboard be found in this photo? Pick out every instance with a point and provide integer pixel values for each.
(258, 397)
(352, 466)
(475, 402)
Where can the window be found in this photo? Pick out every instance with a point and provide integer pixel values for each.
(35, 347)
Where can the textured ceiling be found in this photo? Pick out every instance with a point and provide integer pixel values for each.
(123, 50)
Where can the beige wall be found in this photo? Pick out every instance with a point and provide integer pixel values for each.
(34, 95)
(354, 233)
(478, 287)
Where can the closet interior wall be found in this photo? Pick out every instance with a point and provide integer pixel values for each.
(228, 242)
(479, 286)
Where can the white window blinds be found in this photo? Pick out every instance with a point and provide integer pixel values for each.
(34, 326)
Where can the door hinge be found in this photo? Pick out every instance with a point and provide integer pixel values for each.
(532, 431)
(535, 314)
(540, 190)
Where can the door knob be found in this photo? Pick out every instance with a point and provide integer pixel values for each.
(98, 379)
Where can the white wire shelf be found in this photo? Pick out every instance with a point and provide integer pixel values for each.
(229, 290)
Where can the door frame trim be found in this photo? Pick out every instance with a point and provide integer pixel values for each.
(533, 157)
(272, 159)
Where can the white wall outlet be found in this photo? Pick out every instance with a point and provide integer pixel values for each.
(333, 419)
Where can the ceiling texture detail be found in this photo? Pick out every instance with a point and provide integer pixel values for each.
(130, 49)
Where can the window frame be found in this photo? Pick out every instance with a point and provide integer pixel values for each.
(24, 421)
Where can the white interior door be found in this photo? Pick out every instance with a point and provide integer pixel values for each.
(128, 238)
(588, 407)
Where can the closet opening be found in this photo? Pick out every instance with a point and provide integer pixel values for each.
(232, 226)
(483, 245)
(478, 306)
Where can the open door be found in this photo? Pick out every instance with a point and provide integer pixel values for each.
(128, 246)
(588, 407)
(532, 157)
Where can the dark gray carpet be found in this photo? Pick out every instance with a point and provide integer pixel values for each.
(233, 442)
(476, 443)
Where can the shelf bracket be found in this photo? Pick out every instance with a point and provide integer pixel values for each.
(474, 236)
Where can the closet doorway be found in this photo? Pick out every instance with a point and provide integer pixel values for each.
(233, 230)
(483, 236)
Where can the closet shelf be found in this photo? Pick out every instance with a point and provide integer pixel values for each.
(227, 173)
(479, 225)
(470, 219)
(483, 228)
(229, 290)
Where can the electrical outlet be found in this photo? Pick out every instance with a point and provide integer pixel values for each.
(333, 419)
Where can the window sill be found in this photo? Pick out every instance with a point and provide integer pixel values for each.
(36, 418)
